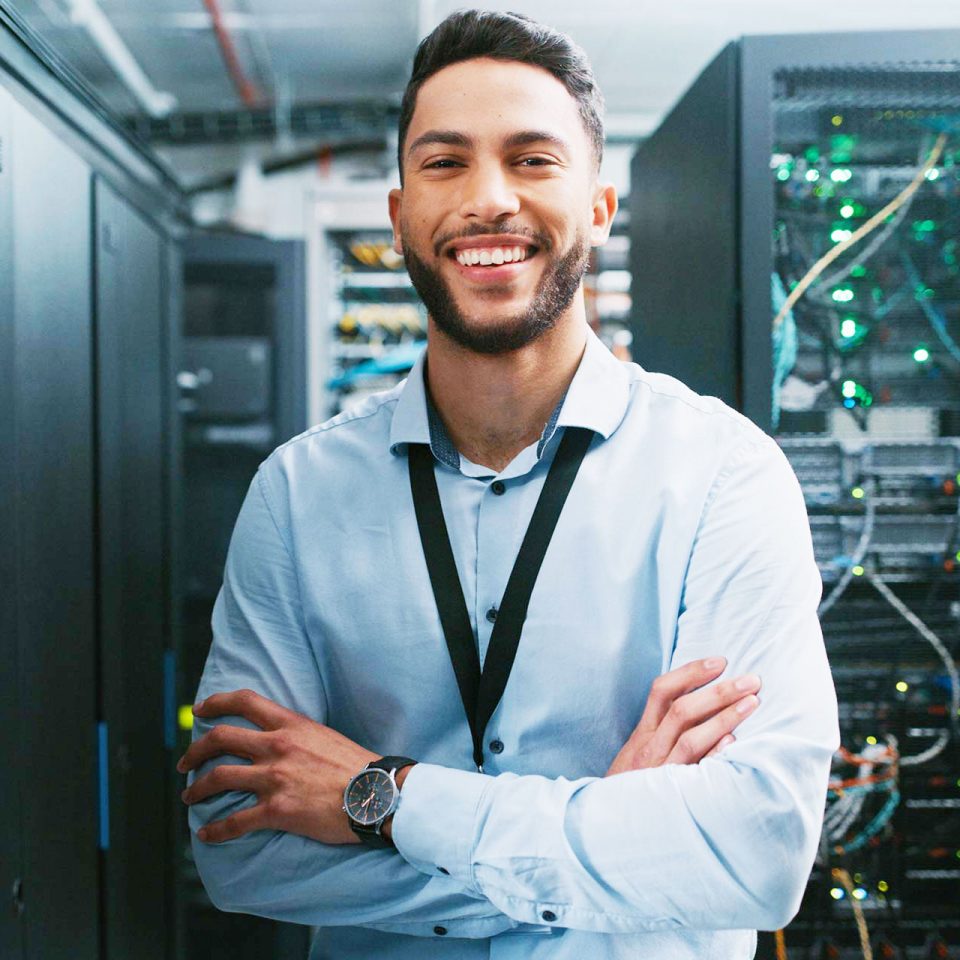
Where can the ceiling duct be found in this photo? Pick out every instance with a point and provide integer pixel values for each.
(88, 15)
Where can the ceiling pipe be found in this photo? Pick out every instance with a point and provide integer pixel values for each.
(87, 14)
(244, 86)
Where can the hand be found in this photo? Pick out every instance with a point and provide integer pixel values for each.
(299, 772)
(683, 723)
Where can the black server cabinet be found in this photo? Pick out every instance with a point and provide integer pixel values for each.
(243, 393)
(702, 206)
(782, 154)
(88, 434)
(134, 627)
(49, 473)
(11, 930)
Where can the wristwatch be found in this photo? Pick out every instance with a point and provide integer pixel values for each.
(372, 796)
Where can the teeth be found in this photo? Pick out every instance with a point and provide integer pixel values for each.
(485, 256)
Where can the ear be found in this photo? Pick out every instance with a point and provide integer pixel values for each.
(394, 202)
(604, 209)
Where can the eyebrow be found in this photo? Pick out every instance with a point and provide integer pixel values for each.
(454, 138)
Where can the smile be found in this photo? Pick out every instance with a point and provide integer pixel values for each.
(491, 256)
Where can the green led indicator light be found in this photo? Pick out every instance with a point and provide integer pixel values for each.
(849, 388)
(813, 176)
(873, 742)
(933, 173)
(858, 493)
(902, 686)
(838, 236)
(857, 571)
(883, 886)
(848, 328)
(836, 893)
(847, 211)
(783, 174)
(836, 119)
(921, 354)
(858, 271)
(842, 295)
(841, 175)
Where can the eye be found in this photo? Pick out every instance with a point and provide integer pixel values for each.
(536, 161)
(444, 163)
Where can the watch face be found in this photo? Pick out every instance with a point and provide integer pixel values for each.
(369, 797)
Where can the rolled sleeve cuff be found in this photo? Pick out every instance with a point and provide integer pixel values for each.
(435, 824)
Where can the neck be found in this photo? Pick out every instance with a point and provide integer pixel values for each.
(495, 406)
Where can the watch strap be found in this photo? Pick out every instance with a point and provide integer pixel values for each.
(391, 764)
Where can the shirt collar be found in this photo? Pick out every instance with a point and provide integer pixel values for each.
(596, 399)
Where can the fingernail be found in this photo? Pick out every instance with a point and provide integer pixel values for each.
(202, 833)
(198, 706)
(749, 682)
(714, 663)
(180, 767)
(183, 796)
(727, 740)
(747, 704)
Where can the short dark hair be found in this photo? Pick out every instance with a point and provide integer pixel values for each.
(469, 34)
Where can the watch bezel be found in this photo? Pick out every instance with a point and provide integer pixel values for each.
(385, 778)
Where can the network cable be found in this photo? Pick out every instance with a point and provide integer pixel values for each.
(935, 318)
(859, 552)
(862, 231)
(942, 653)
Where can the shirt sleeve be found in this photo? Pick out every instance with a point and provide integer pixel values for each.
(726, 843)
(259, 642)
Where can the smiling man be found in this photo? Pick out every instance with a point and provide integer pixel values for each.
(483, 643)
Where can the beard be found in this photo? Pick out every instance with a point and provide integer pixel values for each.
(555, 291)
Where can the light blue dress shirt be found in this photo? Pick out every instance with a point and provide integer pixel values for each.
(684, 536)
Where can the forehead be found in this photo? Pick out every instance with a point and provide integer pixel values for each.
(493, 98)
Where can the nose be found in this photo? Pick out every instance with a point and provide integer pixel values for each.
(488, 194)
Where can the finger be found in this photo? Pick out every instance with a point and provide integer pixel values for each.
(245, 703)
(722, 745)
(227, 776)
(668, 686)
(236, 825)
(694, 708)
(224, 738)
(694, 744)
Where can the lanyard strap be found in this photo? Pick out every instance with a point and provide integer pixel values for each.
(481, 692)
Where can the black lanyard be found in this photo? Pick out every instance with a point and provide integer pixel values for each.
(482, 692)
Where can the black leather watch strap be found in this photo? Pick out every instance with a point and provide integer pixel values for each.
(396, 764)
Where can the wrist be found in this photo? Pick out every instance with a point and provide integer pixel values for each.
(401, 775)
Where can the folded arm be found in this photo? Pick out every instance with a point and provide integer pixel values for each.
(726, 843)
(260, 643)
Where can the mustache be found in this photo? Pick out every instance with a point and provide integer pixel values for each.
(539, 240)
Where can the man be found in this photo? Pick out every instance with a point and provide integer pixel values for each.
(584, 796)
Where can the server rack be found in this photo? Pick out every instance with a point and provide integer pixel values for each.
(242, 392)
(88, 229)
(783, 153)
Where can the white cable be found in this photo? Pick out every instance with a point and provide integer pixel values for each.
(944, 655)
(859, 552)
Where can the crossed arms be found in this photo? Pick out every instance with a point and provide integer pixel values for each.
(602, 852)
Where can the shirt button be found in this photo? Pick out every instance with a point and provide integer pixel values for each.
(498, 487)
(444, 871)
(496, 746)
(440, 931)
(549, 916)
(492, 615)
